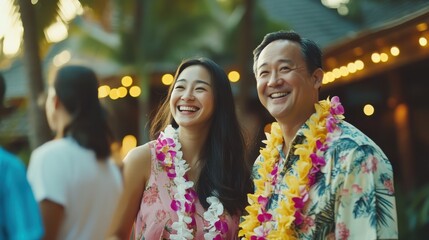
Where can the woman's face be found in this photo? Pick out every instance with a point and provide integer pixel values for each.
(50, 109)
(192, 98)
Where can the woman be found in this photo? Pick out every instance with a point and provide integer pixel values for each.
(190, 183)
(73, 178)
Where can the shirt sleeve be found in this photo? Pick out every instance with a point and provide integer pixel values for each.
(366, 208)
(47, 174)
(21, 217)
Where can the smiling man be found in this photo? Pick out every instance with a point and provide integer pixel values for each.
(318, 177)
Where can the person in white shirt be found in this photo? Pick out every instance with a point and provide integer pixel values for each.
(73, 177)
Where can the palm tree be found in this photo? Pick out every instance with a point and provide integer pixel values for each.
(38, 130)
(34, 19)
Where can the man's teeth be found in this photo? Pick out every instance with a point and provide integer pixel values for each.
(278, 95)
(188, 108)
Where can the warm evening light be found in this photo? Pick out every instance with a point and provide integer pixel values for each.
(61, 58)
(394, 51)
(113, 94)
(384, 57)
(359, 64)
(368, 110)
(167, 79)
(56, 32)
(135, 91)
(423, 41)
(233, 76)
(126, 81)
(375, 57)
(422, 27)
(103, 91)
(351, 67)
(128, 142)
(122, 92)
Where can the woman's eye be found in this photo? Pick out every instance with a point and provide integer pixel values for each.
(179, 87)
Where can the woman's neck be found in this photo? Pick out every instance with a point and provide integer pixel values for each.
(193, 142)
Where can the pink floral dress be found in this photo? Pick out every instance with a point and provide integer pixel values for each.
(155, 216)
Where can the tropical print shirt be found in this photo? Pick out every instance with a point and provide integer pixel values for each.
(353, 197)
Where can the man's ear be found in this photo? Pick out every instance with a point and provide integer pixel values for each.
(317, 78)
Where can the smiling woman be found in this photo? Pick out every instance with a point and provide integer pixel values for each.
(191, 181)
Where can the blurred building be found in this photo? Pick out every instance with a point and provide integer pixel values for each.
(375, 59)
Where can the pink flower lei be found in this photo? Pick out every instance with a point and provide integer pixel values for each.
(170, 156)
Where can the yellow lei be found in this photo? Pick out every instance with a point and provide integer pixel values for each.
(284, 214)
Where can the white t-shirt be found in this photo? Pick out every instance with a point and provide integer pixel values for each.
(70, 175)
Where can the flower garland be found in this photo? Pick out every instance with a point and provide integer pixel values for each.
(260, 223)
(170, 156)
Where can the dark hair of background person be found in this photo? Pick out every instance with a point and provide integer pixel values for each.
(310, 50)
(77, 89)
(225, 169)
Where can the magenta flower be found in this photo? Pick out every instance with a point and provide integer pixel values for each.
(299, 218)
(331, 124)
(299, 203)
(317, 160)
(171, 173)
(257, 238)
(336, 107)
(264, 217)
(165, 149)
(175, 205)
(218, 237)
(221, 226)
(263, 201)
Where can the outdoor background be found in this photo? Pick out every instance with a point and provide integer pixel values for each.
(376, 59)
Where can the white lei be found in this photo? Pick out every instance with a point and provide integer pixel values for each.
(169, 155)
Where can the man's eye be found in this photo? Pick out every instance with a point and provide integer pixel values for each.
(284, 68)
(263, 73)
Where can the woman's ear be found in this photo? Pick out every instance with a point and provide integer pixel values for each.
(317, 78)
(57, 102)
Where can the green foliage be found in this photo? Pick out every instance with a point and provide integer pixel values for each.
(413, 213)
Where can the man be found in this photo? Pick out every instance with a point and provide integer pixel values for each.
(318, 177)
(19, 212)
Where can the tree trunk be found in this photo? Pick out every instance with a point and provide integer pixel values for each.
(142, 68)
(38, 128)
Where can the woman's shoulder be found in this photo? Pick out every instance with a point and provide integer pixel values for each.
(140, 153)
(138, 159)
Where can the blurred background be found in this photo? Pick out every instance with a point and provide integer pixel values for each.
(376, 59)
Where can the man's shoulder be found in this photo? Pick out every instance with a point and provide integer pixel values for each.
(9, 161)
(352, 138)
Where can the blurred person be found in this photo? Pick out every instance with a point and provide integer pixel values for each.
(191, 182)
(318, 177)
(73, 177)
(19, 214)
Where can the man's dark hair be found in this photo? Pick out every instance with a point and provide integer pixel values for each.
(310, 50)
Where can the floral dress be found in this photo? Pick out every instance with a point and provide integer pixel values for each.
(353, 197)
(155, 216)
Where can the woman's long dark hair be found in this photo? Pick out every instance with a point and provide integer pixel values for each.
(77, 89)
(225, 171)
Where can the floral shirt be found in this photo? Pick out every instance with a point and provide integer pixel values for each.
(155, 216)
(353, 197)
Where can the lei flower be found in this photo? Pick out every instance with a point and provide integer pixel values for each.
(260, 223)
(170, 156)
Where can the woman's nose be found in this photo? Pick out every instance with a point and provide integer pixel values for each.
(188, 95)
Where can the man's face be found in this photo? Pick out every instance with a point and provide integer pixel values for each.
(285, 87)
